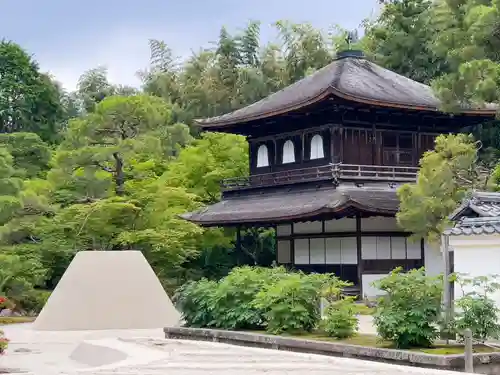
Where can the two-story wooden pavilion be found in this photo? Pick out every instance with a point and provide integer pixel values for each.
(326, 157)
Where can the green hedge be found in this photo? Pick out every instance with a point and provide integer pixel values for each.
(257, 298)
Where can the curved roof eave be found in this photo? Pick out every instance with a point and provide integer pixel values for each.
(349, 204)
(220, 121)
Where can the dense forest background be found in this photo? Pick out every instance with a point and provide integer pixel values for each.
(110, 167)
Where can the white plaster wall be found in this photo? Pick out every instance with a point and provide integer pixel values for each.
(284, 230)
(476, 255)
(308, 227)
(380, 224)
(373, 224)
(284, 254)
(369, 291)
(340, 225)
(434, 264)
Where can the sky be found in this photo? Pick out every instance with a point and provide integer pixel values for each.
(70, 37)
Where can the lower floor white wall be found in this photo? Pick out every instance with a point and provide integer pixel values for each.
(369, 291)
(433, 266)
(434, 262)
(476, 255)
(332, 243)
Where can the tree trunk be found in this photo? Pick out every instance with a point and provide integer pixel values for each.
(119, 175)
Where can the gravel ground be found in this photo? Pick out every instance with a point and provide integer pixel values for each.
(147, 353)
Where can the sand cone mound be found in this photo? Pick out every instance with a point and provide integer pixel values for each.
(108, 290)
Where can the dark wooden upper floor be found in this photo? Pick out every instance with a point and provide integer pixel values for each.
(332, 144)
(335, 173)
(349, 120)
(334, 152)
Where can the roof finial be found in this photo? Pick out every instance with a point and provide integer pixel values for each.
(351, 38)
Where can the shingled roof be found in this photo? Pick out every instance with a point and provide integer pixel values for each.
(479, 214)
(476, 225)
(351, 77)
(482, 204)
(280, 205)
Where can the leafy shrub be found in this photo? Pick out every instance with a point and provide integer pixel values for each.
(234, 306)
(4, 343)
(196, 301)
(6, 303)
(291, 304)
(33, 301)
(257, 297)
(409, 312)
(476, 310)
(340, 318)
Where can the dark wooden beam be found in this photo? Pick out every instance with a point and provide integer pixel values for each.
(238, 239)
(346, 234)
(359, 255)
(422, 250)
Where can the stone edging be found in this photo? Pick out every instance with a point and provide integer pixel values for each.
(402, 357)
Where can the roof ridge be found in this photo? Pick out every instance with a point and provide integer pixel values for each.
(366, 83)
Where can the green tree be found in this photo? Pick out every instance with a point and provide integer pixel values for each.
(101, 149)
(29, 100)
(468, 37)
(31, 155)
(94, 87)
(446, 174)
(18, 274)
(401, 39)
(201, 166)
(238, 70)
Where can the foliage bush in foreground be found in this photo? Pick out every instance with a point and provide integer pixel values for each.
(234, 306)
(195, 300)
(340, 318)
(476, 310)
(255, 298)
(4, 343)
(5, 303)
(31, 302)
(291, 304)
(409, 313)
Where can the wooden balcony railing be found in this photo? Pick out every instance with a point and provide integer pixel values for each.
(376, 173)
(334, 172)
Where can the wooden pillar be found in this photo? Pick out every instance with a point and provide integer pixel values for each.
(238, 241)
(332, 151)
(342, 136)
(359, 255)
(303, 141)
(374, 146)
(275, 162)
(422, 251)
(275, 227)
(414, 153)
(250, 153)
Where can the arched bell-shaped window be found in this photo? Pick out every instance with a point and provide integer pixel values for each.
(317, 151)
(288, 152)
(262, 157)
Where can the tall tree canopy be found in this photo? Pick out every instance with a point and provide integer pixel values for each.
(29, 100)
(468, 34)
(402, 39)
